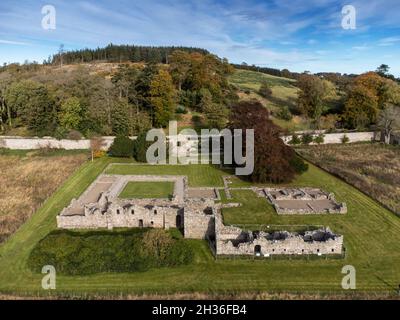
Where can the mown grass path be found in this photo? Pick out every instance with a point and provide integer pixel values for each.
(372, 239)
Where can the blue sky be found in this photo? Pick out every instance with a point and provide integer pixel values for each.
(295, 34)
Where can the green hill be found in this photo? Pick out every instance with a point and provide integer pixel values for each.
(284, 94)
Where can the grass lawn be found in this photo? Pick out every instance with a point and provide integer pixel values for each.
(199, 175)
(148, 190)
(372, 240)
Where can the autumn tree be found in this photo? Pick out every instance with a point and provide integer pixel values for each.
(96, 146)
(162, 97)
(273, 160)
(180, 65)
(368, 94)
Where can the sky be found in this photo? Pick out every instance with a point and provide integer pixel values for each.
(295, 34)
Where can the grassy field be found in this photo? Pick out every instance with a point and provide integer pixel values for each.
(373, 168)
(284, 94)
(27, 179)
(148, 190)
(199, 175)
(372, 240)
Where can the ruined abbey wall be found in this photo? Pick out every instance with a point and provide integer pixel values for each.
(230, 240)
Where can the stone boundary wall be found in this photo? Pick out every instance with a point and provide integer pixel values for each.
(22, 143)
(335, 138)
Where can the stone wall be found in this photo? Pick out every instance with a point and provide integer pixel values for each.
(293, 244)
(199, 222)
(335, 138)
(232, 240)
(21, 143)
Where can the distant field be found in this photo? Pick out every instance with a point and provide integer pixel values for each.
(284, 94)
(373, 168)
(371, 235)
(27, 179)
(148, 190)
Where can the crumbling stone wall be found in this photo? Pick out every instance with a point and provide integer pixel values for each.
(231, 240)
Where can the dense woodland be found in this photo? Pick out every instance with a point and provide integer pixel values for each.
(62, 102)
(119, 54)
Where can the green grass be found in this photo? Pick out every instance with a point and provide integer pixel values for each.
(198, 175)
(372, 240)
(251, 80)
(148, 190)
(284, 94)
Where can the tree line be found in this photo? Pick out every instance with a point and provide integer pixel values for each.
(120, 53)
(370, 100)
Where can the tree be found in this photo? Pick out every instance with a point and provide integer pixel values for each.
(319, 139)
(162, 97)
(284, 113)
(389, 121)
(295, 140)
(313, 96)
(216, 115)
(122, 147)
(70, 113)
(140, 147)
(265, 91)
(5, 110)
(273, 160)
(34, 105)
(307, 138)
(180, 64)
(96, 147)
(383, 70)
(121, 118)
(361, 107)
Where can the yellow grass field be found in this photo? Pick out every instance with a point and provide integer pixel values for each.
(27, 179)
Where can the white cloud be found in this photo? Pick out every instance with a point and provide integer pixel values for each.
(16, 43)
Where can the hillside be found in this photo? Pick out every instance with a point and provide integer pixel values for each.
(284, 94)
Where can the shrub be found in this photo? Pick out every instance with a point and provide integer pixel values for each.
(122, 147)
(284, 114)
(181, 109)
(299, 165)
(77, 253)
(140, 146)
(265, 91)
(295, 140)
(319, 139)
(306, 138)
(74, 135)
(60, 133)
(345, 139)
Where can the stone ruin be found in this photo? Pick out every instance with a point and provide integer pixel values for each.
(100, 207)
(194, 211)
(231, 240)
(303, 201)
